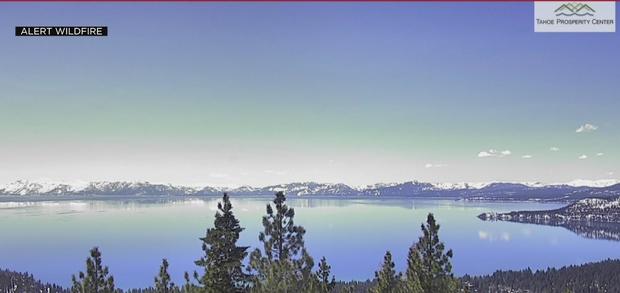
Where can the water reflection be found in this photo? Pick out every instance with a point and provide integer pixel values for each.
(591, 230)
(492, 237)
(352, 233)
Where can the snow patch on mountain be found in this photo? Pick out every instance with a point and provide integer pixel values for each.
(25, 187)
(460, 185)
(593, 183)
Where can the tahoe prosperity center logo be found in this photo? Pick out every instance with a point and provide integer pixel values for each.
(584, 16)
(572, 9)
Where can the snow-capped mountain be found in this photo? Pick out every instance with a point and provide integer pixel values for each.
(460, 185)
(593, 183)
(309, 188)
(399, 189)
(23, 187)
(473, 191)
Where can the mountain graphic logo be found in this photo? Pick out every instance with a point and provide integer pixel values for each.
(572, 9)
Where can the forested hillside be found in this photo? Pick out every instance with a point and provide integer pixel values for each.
(593, 277)
(13, 282)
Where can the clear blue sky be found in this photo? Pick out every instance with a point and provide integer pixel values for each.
(261, 93)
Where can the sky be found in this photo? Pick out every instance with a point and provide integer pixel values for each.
(231, 94)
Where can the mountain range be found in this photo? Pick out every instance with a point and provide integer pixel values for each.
(481, 191)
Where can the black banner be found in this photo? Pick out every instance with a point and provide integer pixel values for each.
(61, 31)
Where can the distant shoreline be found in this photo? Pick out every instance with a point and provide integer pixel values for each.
(102, 197)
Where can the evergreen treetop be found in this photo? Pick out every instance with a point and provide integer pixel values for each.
(388, 281)
(96, 278)
(325, 283)
(284, 265)
(435, 268)
(223, 259)
(163, 282)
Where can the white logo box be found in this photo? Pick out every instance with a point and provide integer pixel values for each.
(585, 16)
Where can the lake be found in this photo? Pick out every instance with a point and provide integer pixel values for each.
(51, 239)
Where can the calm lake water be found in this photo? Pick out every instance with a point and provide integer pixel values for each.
(51, 239)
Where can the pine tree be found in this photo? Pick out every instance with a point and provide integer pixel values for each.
(435, 272)
(284, 265)
(163, 283)
(388, 281)
(188, 287)
(414, 267)
(223, 259)
(96, 279)
(325, 284)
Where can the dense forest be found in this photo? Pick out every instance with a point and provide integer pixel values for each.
(593, 277)
(21, 282)
(283, 264)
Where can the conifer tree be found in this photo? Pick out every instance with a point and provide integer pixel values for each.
(188, 287)
(163, 283)
(283, 265)
(325, 284)
(414, 267)
(435, 271)
(388, 281)
(223, 259)
(96, 279)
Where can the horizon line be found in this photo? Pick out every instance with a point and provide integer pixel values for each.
(473, 184)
